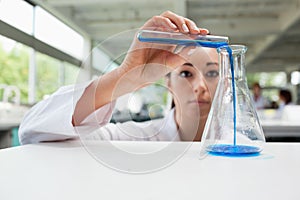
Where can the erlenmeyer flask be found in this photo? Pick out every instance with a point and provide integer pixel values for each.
(232, 127)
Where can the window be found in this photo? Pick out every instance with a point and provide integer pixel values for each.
(14, 62)
(295, 77)
(23, 20)
(271, 82)
(15, 58)
(70, 73)
(48, 73)
(102, 62)
(52, 31)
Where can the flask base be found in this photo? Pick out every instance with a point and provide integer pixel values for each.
(233, 150)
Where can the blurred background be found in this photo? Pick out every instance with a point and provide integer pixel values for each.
(46, 44)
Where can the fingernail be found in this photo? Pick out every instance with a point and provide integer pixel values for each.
(204, 31)
(173, 25)
(195, 27)
(185, 28)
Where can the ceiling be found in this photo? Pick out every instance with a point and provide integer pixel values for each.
(269, 28)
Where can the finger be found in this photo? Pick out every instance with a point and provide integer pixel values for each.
(178, 49)
(171, 24)
(161, 23)
(193, 28)
(204, 31)
(177, 20)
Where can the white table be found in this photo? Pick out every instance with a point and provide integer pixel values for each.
(69, 171)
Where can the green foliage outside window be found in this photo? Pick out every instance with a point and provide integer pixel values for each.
(14, 70)
(47, 75)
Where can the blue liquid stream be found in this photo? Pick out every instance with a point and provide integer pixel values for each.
(233, 92)
(229, 50)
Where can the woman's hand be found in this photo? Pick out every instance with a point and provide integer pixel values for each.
(147, 62)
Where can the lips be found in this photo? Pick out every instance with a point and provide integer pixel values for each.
(201, 102)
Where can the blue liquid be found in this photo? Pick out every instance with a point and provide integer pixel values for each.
(233, 92)
(233, 150)
(184, 42)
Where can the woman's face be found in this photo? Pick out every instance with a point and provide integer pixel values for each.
(193, 84)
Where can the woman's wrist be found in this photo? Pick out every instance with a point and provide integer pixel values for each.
(114, 84)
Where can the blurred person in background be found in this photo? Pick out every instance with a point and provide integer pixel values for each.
(260, 102)
(285, 98)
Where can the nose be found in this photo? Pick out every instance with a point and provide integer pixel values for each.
(200, 85)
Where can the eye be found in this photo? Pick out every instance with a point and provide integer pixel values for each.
(185, 74)
(212, 73)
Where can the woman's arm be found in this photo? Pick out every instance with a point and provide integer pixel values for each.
(144, 64)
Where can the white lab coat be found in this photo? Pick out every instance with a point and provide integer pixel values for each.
(260, 103)
(51, 120)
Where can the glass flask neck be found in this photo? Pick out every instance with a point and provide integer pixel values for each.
(238, 58)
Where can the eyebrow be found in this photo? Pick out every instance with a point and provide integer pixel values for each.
(189, 64)
(207, 64)
(211, 63)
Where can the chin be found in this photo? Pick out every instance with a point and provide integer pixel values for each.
(192, 113)
(202, 113)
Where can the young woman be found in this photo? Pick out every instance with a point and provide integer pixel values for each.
(80, 110)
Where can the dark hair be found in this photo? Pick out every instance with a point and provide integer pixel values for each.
(286, 94)
(173, 104)
(256, 84)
